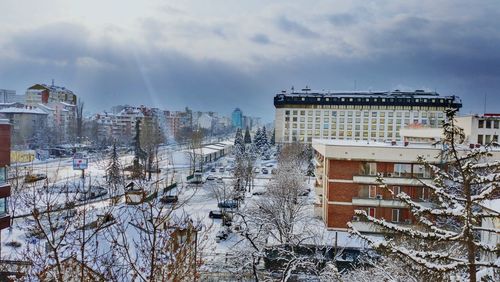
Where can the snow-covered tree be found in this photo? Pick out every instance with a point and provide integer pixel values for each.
(239, 144)
(257, 139)
(272, 142)
(446, 240)
(248, 138)
(139, 154)
(114, 172)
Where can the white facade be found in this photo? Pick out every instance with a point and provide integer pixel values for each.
(357, 123)
(301, 117)
(480, 129)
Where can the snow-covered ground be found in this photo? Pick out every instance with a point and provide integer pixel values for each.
(200, 200)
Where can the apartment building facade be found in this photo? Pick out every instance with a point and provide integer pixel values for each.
(4, 162)
(305, 115)
(43, 93)
(346, 180)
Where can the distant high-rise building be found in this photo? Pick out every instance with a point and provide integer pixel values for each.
(237, 118)
(7, 96)
(306, 115)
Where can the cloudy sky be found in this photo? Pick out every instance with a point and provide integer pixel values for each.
(221, 54)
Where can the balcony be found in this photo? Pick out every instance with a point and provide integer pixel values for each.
(385, 203)
(391, 180)
(369, 227)
(372, 202)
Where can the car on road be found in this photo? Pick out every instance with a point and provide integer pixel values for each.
(228, 204)
(210, 177)
(213, 169)
(93, 193)
(169, 199)
(222, 169)
(259, 193)
(269, 165)
(34, 177)
(264, 170)
(215, 214)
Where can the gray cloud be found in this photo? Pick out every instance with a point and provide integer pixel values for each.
(260, 38)
(294, 27)
(343, 19)
(454, 55)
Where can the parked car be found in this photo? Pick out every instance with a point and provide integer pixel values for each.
(93, 193)
(259, 193)
(274, 170)
(213, 169)
(222, 169)
(34, 177)
(256, 170)
(264, 170)
(210, 177)
(222, 235)
(169, 199)
(228, 204)
(269, 165)
(215, 214)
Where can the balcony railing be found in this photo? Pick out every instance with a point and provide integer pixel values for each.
(385, 203)
(391, 179)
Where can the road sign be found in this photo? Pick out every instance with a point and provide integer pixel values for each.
(80, 164)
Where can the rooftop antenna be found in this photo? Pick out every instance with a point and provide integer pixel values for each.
(484, 110)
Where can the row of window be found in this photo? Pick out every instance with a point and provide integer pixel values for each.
(373, 100)
(395, 214)
(375, 192)
(392, 113)
(486, 139)
(365, 121)
(400, 170)
(489, 123)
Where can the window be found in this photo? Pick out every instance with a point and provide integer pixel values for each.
(3, 174)
(3, 206)
(481, 123)
(402, 170)
(488, 124)
(369, 169)
(395, 191)
(423, 193)
(495, 124)
(421, 171)
(487, 139)
(372, 191)
(371, 212)
(395, 215)
(480, 139)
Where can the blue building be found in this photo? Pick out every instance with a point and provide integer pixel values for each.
(237, 118)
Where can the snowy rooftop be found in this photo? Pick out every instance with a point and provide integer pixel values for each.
(12, 110)
(365, 143)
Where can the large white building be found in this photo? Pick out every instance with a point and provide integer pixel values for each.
(480, 129)
(302, 116)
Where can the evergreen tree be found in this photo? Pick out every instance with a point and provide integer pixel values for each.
(263, 137)
(273, 138)
(446, 241)
(248, 138)
(139, 154)
(114, 170)
(239, 144)
(256, 139)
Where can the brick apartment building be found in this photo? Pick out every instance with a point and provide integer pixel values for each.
(4, 162)
(346, 180)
